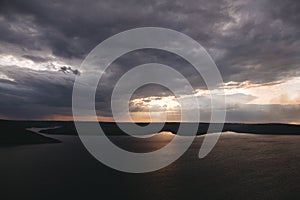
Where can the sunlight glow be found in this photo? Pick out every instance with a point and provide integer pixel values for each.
(165, 103)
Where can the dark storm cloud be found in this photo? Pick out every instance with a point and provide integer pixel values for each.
(34, 94)
(264, 45)
(73, 28)
(261, 42)
(250, 40)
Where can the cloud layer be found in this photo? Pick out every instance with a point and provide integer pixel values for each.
(42, 44)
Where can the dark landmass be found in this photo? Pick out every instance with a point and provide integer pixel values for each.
(111, 128)
(14, 133)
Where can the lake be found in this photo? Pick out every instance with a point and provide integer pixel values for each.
(241, 166)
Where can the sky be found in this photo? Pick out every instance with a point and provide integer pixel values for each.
(254, 43)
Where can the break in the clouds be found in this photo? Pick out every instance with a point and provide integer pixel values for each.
(255, 44)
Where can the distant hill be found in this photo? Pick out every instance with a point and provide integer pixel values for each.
(14, 132)
(111, 128)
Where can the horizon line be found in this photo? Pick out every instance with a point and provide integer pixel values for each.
(45, 120)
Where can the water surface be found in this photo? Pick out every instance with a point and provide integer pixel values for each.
(241, 166)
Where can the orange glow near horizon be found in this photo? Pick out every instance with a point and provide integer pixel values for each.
(167, 108)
